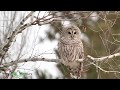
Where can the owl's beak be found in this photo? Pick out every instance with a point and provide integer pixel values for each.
(72, 36)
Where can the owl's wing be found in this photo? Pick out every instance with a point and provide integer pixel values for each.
(59, 50)
(81, 54)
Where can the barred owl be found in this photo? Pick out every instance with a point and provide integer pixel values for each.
(70, 49)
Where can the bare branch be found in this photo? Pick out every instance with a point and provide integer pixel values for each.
(103, 58)
(30, 59)
(34, 60)
(104, 70)
(58, 60)
(14, 33)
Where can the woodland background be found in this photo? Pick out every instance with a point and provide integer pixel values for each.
(100, 36)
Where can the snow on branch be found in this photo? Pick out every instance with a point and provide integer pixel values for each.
(30, 59)
(34, 60)
(103, 58)
(58, 60)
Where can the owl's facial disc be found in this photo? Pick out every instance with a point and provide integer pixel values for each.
(72, 34)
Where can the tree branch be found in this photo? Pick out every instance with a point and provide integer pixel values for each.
(57, 60)
(30, 59)
(34, 60)
(103, 58)
(104, 70)
(14, 33)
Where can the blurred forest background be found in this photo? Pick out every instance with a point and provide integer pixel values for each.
(100, 36)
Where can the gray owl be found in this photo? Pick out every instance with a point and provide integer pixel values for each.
(70, 49)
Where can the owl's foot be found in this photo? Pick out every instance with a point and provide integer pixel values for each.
(79, 60)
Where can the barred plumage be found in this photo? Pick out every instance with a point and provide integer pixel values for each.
(70, 48)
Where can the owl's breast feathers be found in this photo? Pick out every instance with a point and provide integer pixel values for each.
(70, 51)
(71, 42)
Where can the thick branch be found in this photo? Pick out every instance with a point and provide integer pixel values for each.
(34, 60)
(30, 59)
(58, 60)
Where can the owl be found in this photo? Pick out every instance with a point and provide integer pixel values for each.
(70, 49)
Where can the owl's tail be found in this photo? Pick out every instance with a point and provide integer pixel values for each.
(77, 74)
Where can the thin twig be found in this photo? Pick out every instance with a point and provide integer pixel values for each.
(104, 70)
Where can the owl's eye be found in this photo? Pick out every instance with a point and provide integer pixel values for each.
(69, 32)
(74, 32)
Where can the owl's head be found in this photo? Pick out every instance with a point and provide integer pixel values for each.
(71, 32)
